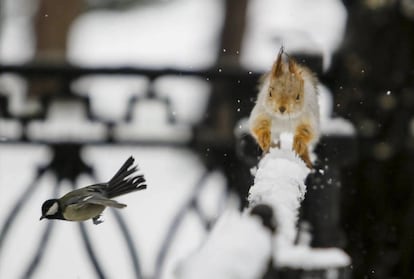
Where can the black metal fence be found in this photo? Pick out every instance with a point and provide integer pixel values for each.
(232, 97)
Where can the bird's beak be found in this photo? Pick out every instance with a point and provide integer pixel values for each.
(41, 218)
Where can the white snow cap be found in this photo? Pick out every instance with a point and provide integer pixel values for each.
(332, 125)
(279, 182)
(238, 247)
(304, 26)
(307, 258)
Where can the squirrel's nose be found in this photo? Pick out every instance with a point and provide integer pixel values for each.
(282, 109)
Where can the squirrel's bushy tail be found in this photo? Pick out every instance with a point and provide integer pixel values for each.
(124, 181)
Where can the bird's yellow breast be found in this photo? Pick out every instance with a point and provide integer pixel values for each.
(82, 213)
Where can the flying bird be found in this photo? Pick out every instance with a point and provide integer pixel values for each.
(90, 201)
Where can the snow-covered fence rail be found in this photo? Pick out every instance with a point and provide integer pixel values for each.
(243, 246)
(280, 183)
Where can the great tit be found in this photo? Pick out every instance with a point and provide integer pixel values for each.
(90, 201)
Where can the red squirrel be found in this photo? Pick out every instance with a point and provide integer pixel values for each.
(287, 102)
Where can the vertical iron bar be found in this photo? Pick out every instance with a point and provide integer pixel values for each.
(39, 252)
(166, 244)
(37, 258)
(129, 243)
(91, 253)
(11, 217)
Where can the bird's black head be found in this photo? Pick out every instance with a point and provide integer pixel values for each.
(51, 210)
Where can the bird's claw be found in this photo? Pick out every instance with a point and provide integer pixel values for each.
(97, 220)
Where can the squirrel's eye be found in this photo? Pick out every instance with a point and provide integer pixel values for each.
(298, 97)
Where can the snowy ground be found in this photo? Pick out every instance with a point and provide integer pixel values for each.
(181, 34)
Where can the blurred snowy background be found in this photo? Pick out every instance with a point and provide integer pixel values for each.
(155, 119)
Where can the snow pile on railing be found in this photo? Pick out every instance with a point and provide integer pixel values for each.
(240, 246)
(237, 247)
(280, 184)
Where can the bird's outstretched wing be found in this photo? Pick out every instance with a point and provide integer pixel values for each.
(100, 200)
(92, 196)
(88, 205)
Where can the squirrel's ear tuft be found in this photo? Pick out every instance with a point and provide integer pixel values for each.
(277, 66)
(293, 69)
(292, 66)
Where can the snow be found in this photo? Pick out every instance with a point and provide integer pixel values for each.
(304, 257)
(10, 129)
(179, 91)
(155, 112)
(279, 182)
(110, 95)
(237, 248)
(66, 122)
(153, 35)
(15, 88)
(332, 125)
(179, 34)
(17, 41)
(17, 32)
(313, 27)
(213, 198)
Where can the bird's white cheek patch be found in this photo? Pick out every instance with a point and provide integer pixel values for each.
(53, 209)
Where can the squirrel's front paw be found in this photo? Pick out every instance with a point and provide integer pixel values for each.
(264, 139)
(261, 131)
(303, 136)
(301, 149)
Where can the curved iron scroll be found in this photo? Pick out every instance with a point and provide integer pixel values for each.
(12, 216)
(175, 224)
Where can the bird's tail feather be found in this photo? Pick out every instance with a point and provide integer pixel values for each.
(124, 181)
